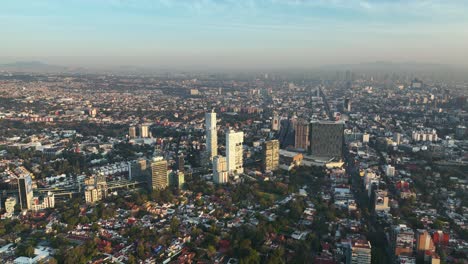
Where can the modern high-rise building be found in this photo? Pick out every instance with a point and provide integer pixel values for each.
(301, 139)
(181, 162)
(220, 172)
(25, 191)
(10, 204)
(159, 175)
(275, 123)
(401, 242)
(234, 151)
(132, 132)
(211, 135)
(144, 131)
(397, 138)
(326, 139)
(360, 252)
(347, 105)
(270, 155)
(177, 179)
(424, 241)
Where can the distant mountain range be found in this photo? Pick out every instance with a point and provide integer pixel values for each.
(370, 67)
(33, 66)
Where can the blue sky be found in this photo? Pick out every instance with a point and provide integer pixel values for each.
(233, 33)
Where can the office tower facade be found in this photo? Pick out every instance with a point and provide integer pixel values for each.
(10, 204)
(287, 132)
(181, 162)
(91, 194)
(397, 138)
(177, 179)
(365, 138)
(389, 171)
(270, 155)
(360, 252)
(301, 139)
(132, 132)
(25, 192)
(402, 241)
(159, 177)
(211, 135)
(424, 241)
(326, 139)
(220, 172)
(144, 131)
(275, 123)
(347, 105)
(234, 152)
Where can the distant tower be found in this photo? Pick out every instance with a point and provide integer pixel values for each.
(301, 137)
(270, 155)
(220, 173)
(181, 163)
(326, 139)
(25, 191)
(159, 174)
(144, 131)
(275, 125)
(234, 151)
(132, 132)
(211, 135)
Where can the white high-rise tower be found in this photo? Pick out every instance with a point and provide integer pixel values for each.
(211, 135)
(234, 151)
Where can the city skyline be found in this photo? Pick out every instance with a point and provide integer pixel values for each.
(233, 34)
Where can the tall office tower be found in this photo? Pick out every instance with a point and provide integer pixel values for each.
(158, 174)
(360, 252)
(389, 171)
(401, 242)
(181, 163)
(287, 133)
(326, 139)
(144, 131)
(271, 155)
(301, 139)
(365, 138)
(10, 204)
(424, 241)
(177, 179)
(347, 105)
(275, 123)
(25, 191)
(132, 132)
(397, 138)
(211, 135)
(220, 172)
(234, 151)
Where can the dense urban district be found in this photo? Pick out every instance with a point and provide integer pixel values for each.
(354, 168)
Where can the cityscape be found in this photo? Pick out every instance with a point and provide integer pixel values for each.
(221, 159)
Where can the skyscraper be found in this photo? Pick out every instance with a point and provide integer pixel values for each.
(132, 132)
(326, 139)
(211, 135)
(25, 191)
(159, 173)
(270, 155)
(275, 123)
(220, 172)
(301, 137)
(360, 252)
(144, 131)
(234, 151)
(401, 242)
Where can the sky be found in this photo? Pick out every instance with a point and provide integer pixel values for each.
(233, 33)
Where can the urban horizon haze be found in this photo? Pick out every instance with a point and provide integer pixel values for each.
(233, 34)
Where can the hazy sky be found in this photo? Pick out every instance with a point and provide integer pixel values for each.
(233, 33)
